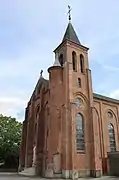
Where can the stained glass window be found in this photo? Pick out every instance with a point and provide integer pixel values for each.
(80, 143)
(112, 137)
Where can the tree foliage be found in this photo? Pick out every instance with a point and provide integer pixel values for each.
(10, 136)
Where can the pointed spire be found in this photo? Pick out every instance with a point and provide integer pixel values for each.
(56, 63)
(70, 35)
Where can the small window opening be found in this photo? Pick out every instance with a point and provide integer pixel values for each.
(82, 63)
(79, 82)
(74, 61)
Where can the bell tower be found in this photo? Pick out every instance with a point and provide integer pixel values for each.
(76, 146)
(78, 143)
(73, 57)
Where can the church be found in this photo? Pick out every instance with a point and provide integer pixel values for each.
(68, 130)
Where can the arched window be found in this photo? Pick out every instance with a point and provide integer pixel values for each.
(80, 143)
(82, 63)
(112, 137)
(74, 61)
(61, 61)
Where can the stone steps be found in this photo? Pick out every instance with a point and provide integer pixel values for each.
(28, 172)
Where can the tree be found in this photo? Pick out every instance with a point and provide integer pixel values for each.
(10, 136)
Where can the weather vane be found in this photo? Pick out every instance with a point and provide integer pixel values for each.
(69, 12)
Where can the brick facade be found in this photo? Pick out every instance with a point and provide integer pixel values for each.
(50, 126)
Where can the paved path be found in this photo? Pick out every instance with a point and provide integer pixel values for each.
(12, 176)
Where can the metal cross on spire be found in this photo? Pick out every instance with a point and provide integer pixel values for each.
(69, 12)
(41, 73)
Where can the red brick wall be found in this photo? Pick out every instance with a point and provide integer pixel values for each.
(56, 126)
(102, 108)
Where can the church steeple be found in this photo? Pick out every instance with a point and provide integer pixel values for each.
(70, 34)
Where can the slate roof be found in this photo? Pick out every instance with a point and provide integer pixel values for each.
(40, 82)
(70, 34)
(105, 98)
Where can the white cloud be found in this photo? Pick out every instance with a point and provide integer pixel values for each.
(111, 68)
(11, 100)
(115, 94)
(105, 65)
(10, 106)
(31, 29)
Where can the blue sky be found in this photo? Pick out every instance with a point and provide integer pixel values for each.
(31, 29)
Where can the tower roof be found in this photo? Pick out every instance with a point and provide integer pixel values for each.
(70, 35)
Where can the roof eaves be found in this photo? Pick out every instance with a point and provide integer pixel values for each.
(105, 98)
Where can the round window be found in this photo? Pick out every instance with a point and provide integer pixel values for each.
(78, 102)
(110, 115)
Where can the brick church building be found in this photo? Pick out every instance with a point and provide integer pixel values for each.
(68, 130)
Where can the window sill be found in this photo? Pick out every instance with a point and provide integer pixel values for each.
(81, 152)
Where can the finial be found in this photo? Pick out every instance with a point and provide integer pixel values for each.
(69, 12)
(41, 73)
